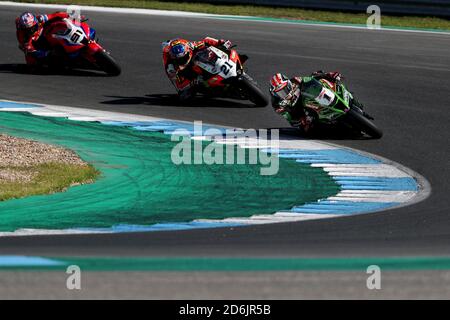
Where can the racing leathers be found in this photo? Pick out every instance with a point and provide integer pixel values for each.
(187, 77)
(32, 44)
(292, 108)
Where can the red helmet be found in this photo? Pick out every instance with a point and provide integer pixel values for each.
(280, 86)
(180, 51)
(28, 22)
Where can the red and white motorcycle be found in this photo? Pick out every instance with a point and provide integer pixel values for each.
(224, 75)
(75, 46)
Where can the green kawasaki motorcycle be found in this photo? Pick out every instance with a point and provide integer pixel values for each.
(333, 103)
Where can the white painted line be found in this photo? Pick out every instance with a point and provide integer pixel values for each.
(83, 118)
(34, 232)
(363, 196)
(278, 217)
(284, 143)
(98, 115)
(309, 216)
(362, 170)
(49, 113)
(17, 109)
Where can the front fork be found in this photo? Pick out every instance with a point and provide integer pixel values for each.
(90, 51)
(358, 105)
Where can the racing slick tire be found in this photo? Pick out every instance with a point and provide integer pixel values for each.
(107, 63)
(358, 121)
(255, 95)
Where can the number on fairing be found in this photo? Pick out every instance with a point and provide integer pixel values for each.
(76, 36)
(225, 68)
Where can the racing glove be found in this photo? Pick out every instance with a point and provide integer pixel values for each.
(171, 71)
(318, 73)
(332, 76)
(335, 76)
(226, 44)
(280, 110)
(41, 18)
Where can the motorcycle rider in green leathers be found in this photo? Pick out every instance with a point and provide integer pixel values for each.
(290, 96)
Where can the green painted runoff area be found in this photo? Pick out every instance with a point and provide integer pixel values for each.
(140, 185)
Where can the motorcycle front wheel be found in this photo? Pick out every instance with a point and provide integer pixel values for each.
(255, 95)
(358, 121)
(107, 63)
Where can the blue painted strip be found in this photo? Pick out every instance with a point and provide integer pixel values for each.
(162, 227)
(339, 156)
(341, 207)
(376, 183)
(168, 127)
(142, 124)
(5, 104)
(155, 128)
(21, 261)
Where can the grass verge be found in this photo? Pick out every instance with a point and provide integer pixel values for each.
(47, 178)
(263, 11)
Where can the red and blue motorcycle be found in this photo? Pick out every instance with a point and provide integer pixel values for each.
(73, 45)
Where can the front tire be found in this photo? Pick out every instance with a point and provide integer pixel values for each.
(107, 63)
(358, 121)
(255, 95)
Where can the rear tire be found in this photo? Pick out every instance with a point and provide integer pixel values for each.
(107, 63)
(358, 121)
(254, 93)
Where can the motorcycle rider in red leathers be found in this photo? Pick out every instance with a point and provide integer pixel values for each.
(177, 58)
(29, 29)
(288, 99)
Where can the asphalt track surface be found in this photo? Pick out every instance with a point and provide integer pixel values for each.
(227, 285)
(402, 78)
